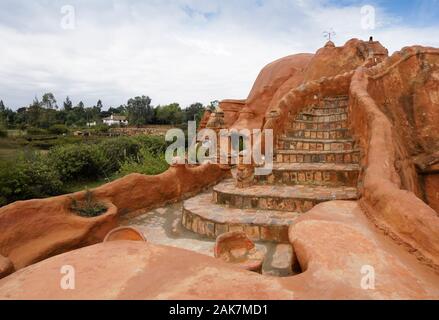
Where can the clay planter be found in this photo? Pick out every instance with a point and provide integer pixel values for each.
(99, 225)
(125, 233)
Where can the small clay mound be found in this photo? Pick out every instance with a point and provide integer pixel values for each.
(235, 247)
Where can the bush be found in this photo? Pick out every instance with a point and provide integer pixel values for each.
(24, 178)
(155, 144)
(38, 176)
(118, 150)
(88, 161)
(104, 128)
(89, 207)
(78, 161)
(148, 163)
(58, 129)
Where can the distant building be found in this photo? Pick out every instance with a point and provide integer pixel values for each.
(116, 120)
(91, 124)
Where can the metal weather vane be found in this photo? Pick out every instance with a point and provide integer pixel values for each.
(329, 35)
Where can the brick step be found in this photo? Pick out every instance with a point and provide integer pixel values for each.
(336, 99)
(321, 118)
(298, 198)
(319, 134)
(295, 156)
(334, 104)
(317, 111)
(318, 174)
(302, 125)
(315, 144)
(206, 218)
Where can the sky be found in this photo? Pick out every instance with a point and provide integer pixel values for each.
(180, 50)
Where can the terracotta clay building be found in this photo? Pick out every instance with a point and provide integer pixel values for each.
(354, 188)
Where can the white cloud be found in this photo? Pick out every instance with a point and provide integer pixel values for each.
(183, 51)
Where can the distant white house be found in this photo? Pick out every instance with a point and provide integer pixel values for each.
(116, 120)
(91, 124)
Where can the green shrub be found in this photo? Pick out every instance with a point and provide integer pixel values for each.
(118, 150)
(155, 144)
(78, 161)
(58, 129)
(44, 178)
(89, 207)
(104, 128)
(28, 178)
(148, 163)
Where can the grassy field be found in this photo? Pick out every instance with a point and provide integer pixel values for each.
(10, 147)
(17, 142)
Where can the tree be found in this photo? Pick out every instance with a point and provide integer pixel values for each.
(77, 115)
(169, 114)
(49, 101)
(68, 105)
(121, 110)
(99, 105)
(34, 112)
(195, 112)
(140, 111)
(2, 114)
(21, 117)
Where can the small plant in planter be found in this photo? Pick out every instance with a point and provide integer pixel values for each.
(88, 207)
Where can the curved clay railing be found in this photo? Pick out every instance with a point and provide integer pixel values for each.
(33, 230)
(385, 67)
(402, 215)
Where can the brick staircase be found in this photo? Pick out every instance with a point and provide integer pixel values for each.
(316, 160)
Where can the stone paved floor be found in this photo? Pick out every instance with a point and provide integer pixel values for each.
(162, 226)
